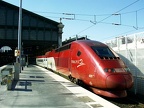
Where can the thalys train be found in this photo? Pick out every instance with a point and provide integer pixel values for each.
(91, 63)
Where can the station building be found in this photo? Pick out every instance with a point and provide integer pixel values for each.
(38, 34)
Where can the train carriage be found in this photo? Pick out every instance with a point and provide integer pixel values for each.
(94, 64)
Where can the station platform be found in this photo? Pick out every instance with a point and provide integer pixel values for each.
(41, 88)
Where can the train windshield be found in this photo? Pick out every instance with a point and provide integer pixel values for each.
(103, 52)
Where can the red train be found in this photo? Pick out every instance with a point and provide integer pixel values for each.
(94, 64)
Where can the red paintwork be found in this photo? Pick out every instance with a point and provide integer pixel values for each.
(89, 68)
(42, 56)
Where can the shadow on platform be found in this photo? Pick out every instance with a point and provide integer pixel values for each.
(23, 84)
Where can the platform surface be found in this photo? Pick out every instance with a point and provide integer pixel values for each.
(40, 88)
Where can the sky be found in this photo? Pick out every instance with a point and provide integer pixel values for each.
(99, 20)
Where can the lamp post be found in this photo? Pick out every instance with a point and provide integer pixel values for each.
(18, 55)
(60, 31)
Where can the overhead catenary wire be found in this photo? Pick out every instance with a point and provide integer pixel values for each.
(73, 16)
(109, 16)
(122, 33)
(99, 15)
(94, 22)
(86, 14)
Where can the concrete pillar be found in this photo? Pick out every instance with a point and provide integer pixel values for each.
(17, 71)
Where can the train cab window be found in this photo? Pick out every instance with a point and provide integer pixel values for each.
(103, 52)
(78, 53)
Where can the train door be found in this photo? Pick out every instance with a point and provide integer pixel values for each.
(77, 62)
(73, 61)
(45, 62)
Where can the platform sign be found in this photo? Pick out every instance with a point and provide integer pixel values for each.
(17, 53)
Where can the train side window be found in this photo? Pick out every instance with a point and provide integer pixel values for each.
(78, 53)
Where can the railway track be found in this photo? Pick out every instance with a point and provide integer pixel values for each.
(131, 101)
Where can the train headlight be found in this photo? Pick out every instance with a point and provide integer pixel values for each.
(127, 69)
(109, 70)
(116, 70)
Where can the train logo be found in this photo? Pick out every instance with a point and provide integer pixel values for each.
(78, 62)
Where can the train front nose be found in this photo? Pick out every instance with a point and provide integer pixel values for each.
(119, 81)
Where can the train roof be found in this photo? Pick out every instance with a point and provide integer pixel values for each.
(74, 39)
(80, 42)
(90, 42)
(42, 56)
